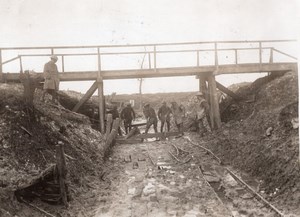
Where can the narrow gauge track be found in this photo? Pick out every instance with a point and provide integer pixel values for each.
(261, 199)
(239, 198)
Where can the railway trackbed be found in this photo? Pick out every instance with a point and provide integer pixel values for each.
(176, 178)
(240, 198)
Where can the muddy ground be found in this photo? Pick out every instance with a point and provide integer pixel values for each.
(258, 140)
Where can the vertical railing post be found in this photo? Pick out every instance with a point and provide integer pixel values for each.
(271, 59)
(216, 54)
(21, 65)
(271, 55)
(1, 68)
(100, 94)
(149, 59)
(52, 51)
(260, 52)
(63, 63)
(236, 56)
(154, 52)
(198, 63)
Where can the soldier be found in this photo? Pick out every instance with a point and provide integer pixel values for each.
(200, 112)
(127, 114)
(164, 116)
(51, 85)
(151, 117)
(178, 113)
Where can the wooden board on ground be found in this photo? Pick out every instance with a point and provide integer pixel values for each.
(139, 124)
(128, 141)
(156, 135)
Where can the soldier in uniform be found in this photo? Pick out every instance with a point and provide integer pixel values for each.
(164, 116)
(201, 111)
(51, 85)
(151, 117)
(127, 114)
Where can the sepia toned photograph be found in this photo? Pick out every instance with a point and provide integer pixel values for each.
(139, 108)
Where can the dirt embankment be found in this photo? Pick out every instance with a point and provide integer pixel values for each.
(28, 143)
(259, 137)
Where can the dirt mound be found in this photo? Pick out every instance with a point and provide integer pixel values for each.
(28, 142)
(259, 137)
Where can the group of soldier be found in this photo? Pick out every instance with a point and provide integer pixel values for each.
(198, 113)
(165, 114)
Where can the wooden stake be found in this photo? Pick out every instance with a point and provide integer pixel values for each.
(109, 121)
(61, 168)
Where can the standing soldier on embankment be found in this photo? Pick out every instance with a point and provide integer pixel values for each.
(127, 114)
(150, 117)
(164, 116)
(51, 85)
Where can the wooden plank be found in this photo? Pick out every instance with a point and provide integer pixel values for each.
(132, 132)
(168, 72)
(139, 124)
(61, 167)
(155, 135)
(129, 141)
(227, 91)
(86, 96)
(109, 121)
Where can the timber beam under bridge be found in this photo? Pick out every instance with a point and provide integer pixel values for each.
(203, 59)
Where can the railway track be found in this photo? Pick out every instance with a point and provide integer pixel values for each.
(256, 201)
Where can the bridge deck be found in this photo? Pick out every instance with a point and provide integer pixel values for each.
(169, 72)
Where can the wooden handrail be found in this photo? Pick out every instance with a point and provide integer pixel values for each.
(143, 52)
(295, 58)
(150, 45)
(154, 49)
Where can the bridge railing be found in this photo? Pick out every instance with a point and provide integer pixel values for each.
(151, 51)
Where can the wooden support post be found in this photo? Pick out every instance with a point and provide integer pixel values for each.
(109, 121)
(214, 104)
(61, 168)
(202, 84)
(198, 61)
(52, 51)
(100, 95)
(86, 96)
(227, 91)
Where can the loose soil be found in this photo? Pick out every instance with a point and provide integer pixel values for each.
(258, 139)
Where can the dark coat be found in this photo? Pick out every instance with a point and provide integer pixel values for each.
(164, 113)
(128, 113)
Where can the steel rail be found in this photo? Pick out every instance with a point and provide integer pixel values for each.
(246, 185)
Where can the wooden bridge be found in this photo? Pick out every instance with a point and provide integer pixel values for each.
(209, 59)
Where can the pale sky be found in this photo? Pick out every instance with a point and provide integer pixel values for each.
(107, 22)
